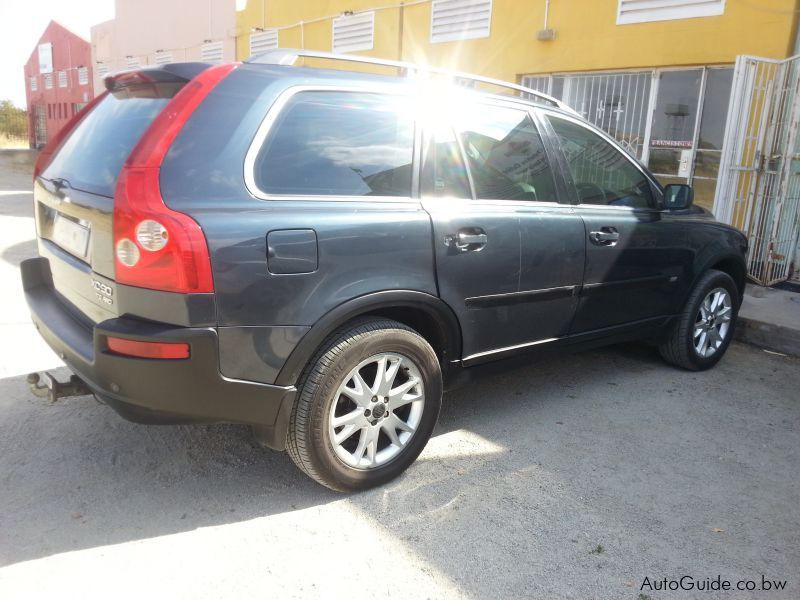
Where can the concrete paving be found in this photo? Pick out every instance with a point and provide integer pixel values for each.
(575, 477)
(770, 318)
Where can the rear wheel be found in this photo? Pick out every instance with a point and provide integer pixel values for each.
(367, 406)
(704, 328)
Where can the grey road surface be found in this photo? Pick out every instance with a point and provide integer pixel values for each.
(576, 477)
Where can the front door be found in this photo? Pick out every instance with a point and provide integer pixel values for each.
(637, 256)
(509, 257)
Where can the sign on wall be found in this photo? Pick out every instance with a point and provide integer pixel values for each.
(46, 58)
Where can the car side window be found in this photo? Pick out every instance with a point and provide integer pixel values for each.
(601, 173)
(338, 144)
(505, 153)
(443, 171)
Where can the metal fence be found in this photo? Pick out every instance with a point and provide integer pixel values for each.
(759, 183)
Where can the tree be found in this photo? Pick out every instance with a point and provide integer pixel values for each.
(13, 120)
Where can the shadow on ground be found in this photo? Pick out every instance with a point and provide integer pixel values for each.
(527, 474)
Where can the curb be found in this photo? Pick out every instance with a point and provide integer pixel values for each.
(770, 336)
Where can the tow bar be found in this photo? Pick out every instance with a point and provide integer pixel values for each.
(53, 389)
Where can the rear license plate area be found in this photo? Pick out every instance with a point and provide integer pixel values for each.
(71, 236)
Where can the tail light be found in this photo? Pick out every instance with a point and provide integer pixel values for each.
(157, 247)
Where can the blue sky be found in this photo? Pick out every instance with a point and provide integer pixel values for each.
(23, 21)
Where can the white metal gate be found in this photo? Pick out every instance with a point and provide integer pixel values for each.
(759, 178)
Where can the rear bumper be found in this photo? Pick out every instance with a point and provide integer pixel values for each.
(154, 391)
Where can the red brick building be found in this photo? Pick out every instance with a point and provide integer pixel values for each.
(58, 81)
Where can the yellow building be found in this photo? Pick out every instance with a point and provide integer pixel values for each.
(655, 74)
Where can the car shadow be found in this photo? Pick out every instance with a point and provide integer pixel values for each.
(76, 466)
(14, 255)
(581, 472)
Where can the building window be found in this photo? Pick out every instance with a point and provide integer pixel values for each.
(132, 62)
(49, 110)
(618, 103)
(34, 83)
(354, 32)
(262, 41)
(62, 79)
(644, 11)
(460, 19)
(211, 52)
(102, 71)
(83, 76)
(48, 81)
(162, 58)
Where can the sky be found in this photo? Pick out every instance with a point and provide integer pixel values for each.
(23, 21)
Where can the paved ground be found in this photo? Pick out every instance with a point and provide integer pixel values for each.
(572, 478)
(770, 318)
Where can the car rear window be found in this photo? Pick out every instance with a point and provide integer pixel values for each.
(92, 156)
(338, 143)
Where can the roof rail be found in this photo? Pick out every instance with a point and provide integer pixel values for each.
(289, 56)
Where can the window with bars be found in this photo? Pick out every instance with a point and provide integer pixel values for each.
(162, 58)
(644, 11)
(34, 83)
(83, 76)
(62, 79)
(617, 103)
(102, 71)
(352, 33)
(262, 41)
(48, 81)
(460, 19)
(211, 51)
(132, 62)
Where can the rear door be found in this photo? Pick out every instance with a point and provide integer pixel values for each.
(74, 195)
(637, 256)
(508, 256)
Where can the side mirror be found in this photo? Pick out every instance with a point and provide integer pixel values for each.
(678, 196)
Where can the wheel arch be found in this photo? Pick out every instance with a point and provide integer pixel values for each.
(734, 266)
(428, 315)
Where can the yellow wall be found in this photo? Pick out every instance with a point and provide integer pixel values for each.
(587, 37)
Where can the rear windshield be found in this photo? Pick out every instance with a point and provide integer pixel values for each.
(92, 156)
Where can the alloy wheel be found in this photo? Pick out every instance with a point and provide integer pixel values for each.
(376, 410)
(713, 322)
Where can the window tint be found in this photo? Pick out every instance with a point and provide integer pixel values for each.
(338, 143)
(601, 173)
(505, 154)
(443, 170)
(92, 156)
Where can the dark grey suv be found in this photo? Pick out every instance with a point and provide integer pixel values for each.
(320, 253)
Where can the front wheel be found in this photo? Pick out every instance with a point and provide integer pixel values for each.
(704, 328)
(367, 406)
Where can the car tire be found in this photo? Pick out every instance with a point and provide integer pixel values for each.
(352, 429)
(704, 328)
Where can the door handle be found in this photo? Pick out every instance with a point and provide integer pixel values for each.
(466, 240)
(607, 236)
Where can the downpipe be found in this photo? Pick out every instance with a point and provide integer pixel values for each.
(51, 388)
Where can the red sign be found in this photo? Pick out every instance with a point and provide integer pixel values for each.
(671, 143)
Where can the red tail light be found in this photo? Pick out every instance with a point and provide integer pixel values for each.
(156, 247)
(139, 349)
(46, 155)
